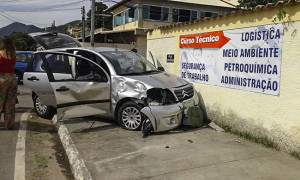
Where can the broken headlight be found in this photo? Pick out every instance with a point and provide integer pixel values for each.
(158, 96)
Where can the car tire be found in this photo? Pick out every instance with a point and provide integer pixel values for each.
(46, 112)
(130, 116)
(18, 76)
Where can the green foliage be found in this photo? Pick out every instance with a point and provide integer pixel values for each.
(251, 4)
(23, 41)
(281, 15)
(246, 4)
(100, 21)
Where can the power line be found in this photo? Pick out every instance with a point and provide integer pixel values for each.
(47, 8)
(57, 7)
(13, 1)
(4, 21)
(32, 2)
(14, 19)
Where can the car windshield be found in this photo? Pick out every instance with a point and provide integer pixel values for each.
(129, 63)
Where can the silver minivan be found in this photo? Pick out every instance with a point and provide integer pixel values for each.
(73, 81)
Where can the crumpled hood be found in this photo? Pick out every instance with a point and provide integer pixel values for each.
(160, 80)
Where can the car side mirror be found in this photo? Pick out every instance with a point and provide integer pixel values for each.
(161, 68)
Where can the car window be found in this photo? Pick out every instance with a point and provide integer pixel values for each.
(21, 58)
(60, 68)
(95, 58)
(127, 62)
(59, 63)
(29, 56)
(87, 71)
(55, 40)
(37, 64)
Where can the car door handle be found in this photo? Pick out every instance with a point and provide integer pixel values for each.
(63, 88)
(33, 78)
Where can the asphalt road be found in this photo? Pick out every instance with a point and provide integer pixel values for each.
(8, 139)
(32, 150)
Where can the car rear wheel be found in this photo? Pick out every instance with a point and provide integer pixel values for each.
(42, 110)
(130, 116)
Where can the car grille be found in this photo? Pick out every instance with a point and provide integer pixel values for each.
(185, 93)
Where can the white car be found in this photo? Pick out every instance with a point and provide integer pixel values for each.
(76, 82)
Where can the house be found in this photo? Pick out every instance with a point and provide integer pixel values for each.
(132, 18)
(74, 31)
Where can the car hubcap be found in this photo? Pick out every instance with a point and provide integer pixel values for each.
(131, 118)
(41, 109)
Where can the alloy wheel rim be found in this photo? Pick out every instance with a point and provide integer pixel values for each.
(131, 118)
(40, 107)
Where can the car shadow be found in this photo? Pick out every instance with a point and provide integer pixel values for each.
(96, 129)
(90, 119)
(90, 124)
(23, 109)
(179, 130)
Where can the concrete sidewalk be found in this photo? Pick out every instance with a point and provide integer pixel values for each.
(110, 152)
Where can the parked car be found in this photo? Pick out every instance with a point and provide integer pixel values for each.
(75, 82)
(23, 58)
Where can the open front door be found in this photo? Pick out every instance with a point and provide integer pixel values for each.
(81, 87)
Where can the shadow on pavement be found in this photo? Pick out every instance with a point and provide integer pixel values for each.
(90, 119)
(179, 130)
(95, 129)
(23, 109)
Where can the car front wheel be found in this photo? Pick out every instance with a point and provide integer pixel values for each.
(42, 110)
(130, 116)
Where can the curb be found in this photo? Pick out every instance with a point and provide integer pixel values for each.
(78, 166)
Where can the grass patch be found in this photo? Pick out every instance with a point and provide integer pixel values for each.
(41, 162)
(261, 140)
(296, 154)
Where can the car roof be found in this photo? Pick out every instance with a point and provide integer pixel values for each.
(96, 49)
(103, 49)
(26, 52)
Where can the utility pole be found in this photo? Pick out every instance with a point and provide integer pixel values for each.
(83, 23)
(53, 26)
(92, 22)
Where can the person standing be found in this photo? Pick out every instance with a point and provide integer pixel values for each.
(8, 82)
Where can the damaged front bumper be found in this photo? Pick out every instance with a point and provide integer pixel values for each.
(167, 117)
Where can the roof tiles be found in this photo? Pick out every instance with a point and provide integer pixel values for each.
(257, 8)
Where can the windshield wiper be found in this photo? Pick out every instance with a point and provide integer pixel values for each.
(133, 73)
(140, 73)
(151, 71)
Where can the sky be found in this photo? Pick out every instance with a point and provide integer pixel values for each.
(42, 13)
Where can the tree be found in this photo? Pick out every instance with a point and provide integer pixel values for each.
(246, 4)
(251, 4)
(100, 21)
(23, 42)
